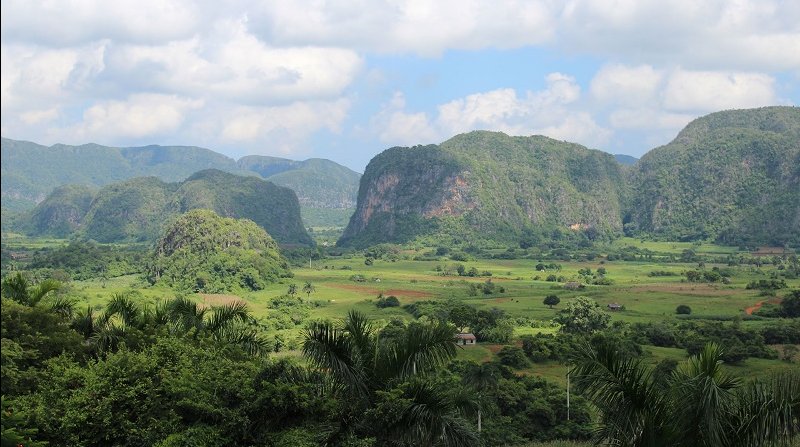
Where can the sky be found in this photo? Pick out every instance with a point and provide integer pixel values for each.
(346, 79)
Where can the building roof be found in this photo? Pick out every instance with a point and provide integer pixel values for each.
(465, 336)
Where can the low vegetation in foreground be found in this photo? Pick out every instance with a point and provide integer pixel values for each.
(664, 343)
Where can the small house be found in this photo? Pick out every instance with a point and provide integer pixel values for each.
(466, 339)
(615, 307)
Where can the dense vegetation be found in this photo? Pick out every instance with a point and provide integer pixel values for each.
(30, 172)
(732, 177)
(203, 252)
(137, 209)
(487, 186)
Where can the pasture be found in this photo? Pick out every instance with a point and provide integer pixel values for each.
(347, 282)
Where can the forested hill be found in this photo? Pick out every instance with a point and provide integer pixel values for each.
(31, 171)
(319, 183)
(732, 176)
(487, 186)
(138, 209)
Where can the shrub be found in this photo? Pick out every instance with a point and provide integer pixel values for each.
(683, 310)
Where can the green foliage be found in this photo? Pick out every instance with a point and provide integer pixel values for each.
(204, 252)
(512, 356)
(389, 301)
(698, 405)
(551, 300)
(583, 315)
(730, 176)
(683, 309)
(455, 192)
(84, 260)
(138, 209)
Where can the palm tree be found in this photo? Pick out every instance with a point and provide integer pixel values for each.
(226, 324)
(482, 377)
(308, 288)
(361, 365)
(700, 405)
(19, 289)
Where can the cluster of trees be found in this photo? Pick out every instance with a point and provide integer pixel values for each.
(203, 252)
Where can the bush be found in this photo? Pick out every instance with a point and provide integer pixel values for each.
(683, 310)
(513, 356)
(389, 301)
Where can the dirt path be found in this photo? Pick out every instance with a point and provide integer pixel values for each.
(751, 309)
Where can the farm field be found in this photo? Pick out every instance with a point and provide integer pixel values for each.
(346, 282)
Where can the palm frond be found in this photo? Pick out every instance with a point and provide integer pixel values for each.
(768, 412)
(421, 349)
(63, 306)
(41, 290)
(621, 387)
(331, 349)
(125, 308)
(225, 316)
(84, 322)
(15, 287)
(432, 418)
(702, 398)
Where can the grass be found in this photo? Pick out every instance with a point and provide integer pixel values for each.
(646, 298)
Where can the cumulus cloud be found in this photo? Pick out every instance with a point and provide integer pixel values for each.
(705, 91)
(645, 98)
(140, 115)
(414, 26)
(546, 112)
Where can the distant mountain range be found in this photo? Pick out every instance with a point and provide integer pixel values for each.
(732, 177)
(31, 171)
(137, 210)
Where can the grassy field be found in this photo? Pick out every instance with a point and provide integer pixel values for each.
(646, 298)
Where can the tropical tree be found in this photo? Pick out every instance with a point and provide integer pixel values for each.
(551, 300)
(227, 324)
(483, 378)
(292, 289)
(19, 289)
(365, 368)
(699, 405)
(309, 288)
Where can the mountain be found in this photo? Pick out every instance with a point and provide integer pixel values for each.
(626, 160)
(731, 176)
(137, 209)
(31, 171)
(62, 211)
(319, 183)
(203, 252)
(487, 186)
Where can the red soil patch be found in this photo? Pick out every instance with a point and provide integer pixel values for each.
(751, 309)
(214, 299)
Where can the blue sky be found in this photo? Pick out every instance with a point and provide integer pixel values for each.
(345, 79)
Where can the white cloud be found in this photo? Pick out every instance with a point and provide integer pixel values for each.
(708, 35)
(232, 64)
(286, 127)
(77, 22)
(623, 84)
(415, 26)
(141, 115)
(708, 91)
(397, 127)
(547, 112)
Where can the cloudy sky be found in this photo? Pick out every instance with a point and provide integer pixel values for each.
(345, 79)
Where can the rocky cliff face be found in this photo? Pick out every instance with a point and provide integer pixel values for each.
(486, 185)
